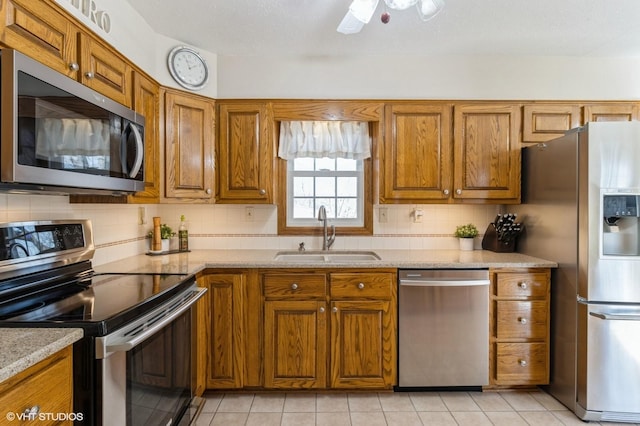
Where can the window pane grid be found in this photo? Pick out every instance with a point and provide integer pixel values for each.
(335, 183)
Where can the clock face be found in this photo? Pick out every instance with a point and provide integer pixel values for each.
(188, 68)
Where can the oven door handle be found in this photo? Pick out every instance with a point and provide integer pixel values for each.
(150, 327)
(610, 316)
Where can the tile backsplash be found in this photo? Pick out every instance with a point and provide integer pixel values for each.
(118, 234)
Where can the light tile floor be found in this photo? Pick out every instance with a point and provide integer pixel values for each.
(509, 408)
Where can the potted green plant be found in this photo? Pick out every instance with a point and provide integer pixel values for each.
(466, 234)
(165, 234)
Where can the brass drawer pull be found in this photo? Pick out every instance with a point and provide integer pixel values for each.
(294, 286)
(361, 286)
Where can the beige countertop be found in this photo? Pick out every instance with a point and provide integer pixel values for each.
(197, 260)
(20, 348)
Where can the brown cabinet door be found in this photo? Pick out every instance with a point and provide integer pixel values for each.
(363, 343)
(146, 101)
(611, 112)
(222, 321)
(417, 153)
(486, 152)
(47, 385)
(543, 122)
(104, 71)
(38, 30)
(245, 154)
(295, 344)
(189, 130)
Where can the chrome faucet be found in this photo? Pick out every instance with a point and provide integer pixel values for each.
(327, 240)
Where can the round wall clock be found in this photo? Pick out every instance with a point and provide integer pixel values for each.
(188, 68)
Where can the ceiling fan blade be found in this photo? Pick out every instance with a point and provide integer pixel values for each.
(360, 13)
(428, 9)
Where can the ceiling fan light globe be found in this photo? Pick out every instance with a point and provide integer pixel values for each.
(400, 4)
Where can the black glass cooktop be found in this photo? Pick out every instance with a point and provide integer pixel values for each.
(99, 304)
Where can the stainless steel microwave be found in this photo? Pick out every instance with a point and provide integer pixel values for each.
(59, 135)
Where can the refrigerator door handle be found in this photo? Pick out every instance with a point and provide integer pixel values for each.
(619, 317)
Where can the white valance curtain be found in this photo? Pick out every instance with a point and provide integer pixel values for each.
(319, 139)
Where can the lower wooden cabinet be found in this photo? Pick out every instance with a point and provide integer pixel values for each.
(221, 327)
(46, 387)
(295, 344)
(329, 329)
(519, 321)
(363, 329)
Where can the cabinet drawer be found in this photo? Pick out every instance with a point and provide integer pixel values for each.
(522, 363)
(47, 385)
(361, 286)
(521, 319)
(294, 286)
(515, 284)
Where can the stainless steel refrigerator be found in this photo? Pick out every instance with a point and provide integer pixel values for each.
(581, 208)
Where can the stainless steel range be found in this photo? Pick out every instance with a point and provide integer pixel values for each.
(134, 365)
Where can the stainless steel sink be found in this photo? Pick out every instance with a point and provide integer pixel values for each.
(327, 256)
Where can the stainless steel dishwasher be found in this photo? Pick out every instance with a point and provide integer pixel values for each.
(443, 328)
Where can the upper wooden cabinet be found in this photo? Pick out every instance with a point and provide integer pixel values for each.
(416, 162)
(104, 71)
(188, 147)
(422, 162)
(543, 122)
(245, 153)
(487, 152)
(40, 31)
(611, 112)
(146, 101)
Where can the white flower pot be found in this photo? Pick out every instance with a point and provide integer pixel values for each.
(165, 244)
(466, 244)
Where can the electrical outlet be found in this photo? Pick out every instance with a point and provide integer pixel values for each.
(142, 215)
(383, 215)
(249, 214)
(417, 215)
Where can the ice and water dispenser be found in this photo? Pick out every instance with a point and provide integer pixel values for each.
(621, 230)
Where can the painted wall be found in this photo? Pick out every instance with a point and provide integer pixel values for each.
(388, 77)
(118, 232)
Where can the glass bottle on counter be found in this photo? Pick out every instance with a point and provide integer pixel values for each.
(183, 235)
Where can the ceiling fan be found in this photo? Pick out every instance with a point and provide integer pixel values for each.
(361, 11)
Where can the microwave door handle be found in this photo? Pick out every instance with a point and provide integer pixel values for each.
(139, 150)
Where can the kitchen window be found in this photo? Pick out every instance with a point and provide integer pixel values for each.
(324, 164)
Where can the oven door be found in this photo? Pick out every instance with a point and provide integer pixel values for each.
(145, 367)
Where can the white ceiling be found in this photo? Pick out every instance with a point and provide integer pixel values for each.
(464, 27)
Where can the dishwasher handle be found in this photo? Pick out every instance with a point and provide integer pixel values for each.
(443, 283)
